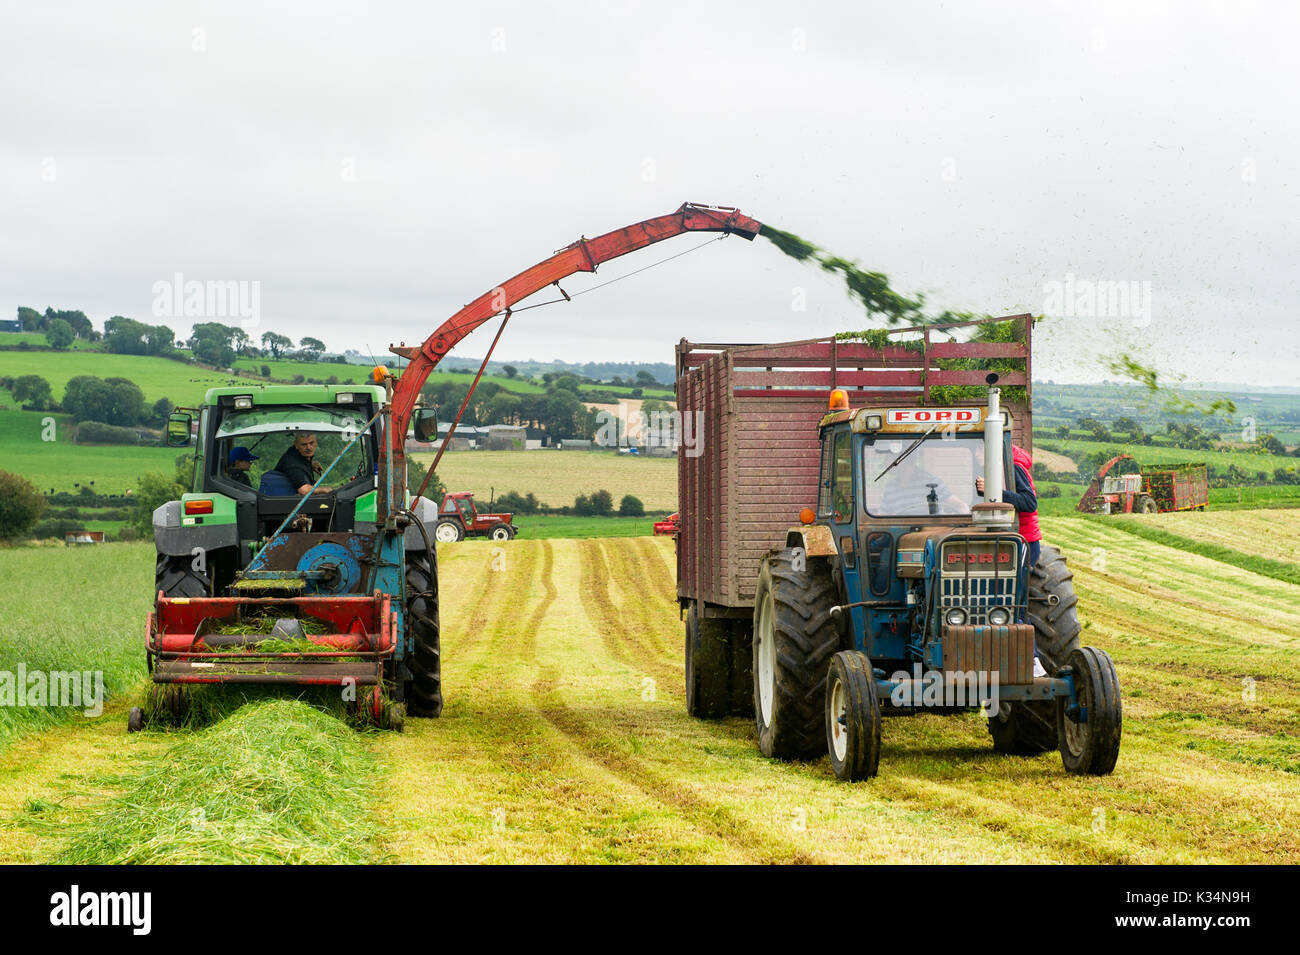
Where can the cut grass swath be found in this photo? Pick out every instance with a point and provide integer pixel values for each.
(276, 782)
(1278, 570)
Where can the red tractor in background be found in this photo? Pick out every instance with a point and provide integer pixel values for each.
(458, 518)
(669, 526)
(1123, 487)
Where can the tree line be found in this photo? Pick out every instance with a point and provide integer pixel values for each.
(212, 343)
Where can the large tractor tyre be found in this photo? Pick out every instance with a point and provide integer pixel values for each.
(852, 717)
(1145, 504)
(741, 683)
(795, 637)
(502, 532)
(176, 577)
(1091, 747)
(1053, 608)
(1028, 729)
(448, 532)
(1024, 729)
(708, 666)
(423, 691)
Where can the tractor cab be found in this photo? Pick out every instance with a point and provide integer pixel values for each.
(247, 476)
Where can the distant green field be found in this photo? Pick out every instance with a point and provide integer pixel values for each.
(1157, 455)
(38, 339)
(61, 465)
(538, 526)
(287, 370)
(517, 385)
(157, 377)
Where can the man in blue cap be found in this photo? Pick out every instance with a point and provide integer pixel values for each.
(240, 461)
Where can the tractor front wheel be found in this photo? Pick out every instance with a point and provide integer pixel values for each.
(852, 717)
(1023, 729)
(448, 532)
(423, 691)
(502, 532)
(795, 637)
(1089, 729)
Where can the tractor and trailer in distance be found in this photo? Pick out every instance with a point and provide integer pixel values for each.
(1122, 486)
(900, 588)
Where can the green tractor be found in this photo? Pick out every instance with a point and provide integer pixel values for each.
(281, 524)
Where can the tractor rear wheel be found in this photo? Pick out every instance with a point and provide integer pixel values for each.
(1027, 729)
(176, 577)
(1091, 747)
(423, 691)
(707, 666)
(448, 532)
(852, 717)
(795, 637)
(1145, 504)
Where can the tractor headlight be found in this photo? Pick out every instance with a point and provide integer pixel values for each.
(955, 617)
(244, 402)
(344, 398)
(999, 616)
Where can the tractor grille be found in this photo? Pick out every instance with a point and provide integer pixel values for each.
(977, 575)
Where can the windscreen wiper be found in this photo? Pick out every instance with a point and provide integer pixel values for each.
(910, 448)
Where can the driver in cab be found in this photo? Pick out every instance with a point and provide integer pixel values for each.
(299, 464)
(913, 490)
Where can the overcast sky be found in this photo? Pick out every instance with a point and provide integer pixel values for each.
(376, 166)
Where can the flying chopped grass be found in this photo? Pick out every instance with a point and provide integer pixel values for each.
(878, 299)
(1127, 366)
(276, 782)
(869, 289)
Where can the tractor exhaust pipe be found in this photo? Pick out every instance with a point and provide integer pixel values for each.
(993, 449)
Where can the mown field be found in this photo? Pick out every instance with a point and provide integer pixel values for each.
(557, 477)
(565, 739)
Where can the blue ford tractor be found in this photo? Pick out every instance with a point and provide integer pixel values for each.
(905, 590)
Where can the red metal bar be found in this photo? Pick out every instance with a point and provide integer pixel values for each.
(581, 256)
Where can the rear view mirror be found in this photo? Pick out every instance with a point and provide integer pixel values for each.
(426, 424)
(178, 429)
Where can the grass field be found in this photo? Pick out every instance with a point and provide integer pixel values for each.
(564, 737)
(550, 526)
(60, 464)
(1149, 455)
(1249, 532)
(157, 377)
(557, 477)
(37, 339)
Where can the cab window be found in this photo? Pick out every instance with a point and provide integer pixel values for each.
(842, 482)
